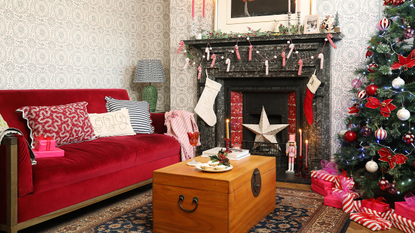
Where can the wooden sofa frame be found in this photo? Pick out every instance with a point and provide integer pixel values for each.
(12, 225)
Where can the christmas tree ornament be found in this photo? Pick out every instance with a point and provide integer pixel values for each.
(386, 156)
(342, 132)
(381, 134)
(371, 67)
(354, 109)
(384, 24)
(312, 87)
(405, 62)
(398, 82)
(366, 131)
(386, 107)
(356, 83)
(393, 189)
(383, 184)
(204, 107)
(408, 138)
(408, 33)
(371, 90)
(361, 95)
(403, 114)
(371, 166)
(350, 136)
(398, 2)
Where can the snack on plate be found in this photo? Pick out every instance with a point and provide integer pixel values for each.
(220, 167)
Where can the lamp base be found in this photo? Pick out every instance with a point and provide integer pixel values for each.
(150, 95)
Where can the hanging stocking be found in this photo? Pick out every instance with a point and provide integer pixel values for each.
(312, 87)
(204, 107)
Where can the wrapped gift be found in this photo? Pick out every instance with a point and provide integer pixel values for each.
(370, 220)
(402, 223)
(403, 209)
(49, 153)
(378, 204)
(322, 187)
(44, 143)
(333, 201)
(343, 190)
(328, 172)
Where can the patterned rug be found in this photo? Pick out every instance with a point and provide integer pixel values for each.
(295, 211)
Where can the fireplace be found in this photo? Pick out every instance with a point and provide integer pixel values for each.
(246, 88)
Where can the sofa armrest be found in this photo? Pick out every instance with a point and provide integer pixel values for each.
(158, 122)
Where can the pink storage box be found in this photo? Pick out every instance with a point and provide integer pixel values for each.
(45, 144)
(403, 209)
(49, 153)
(333, 201)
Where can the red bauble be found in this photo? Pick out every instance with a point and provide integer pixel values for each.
(350, 136)
(371, 89)
(383, 183)
(371, 66)
(408, 138)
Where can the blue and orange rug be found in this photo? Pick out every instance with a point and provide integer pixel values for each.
(295, 211)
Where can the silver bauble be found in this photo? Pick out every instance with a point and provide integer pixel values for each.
(371, 166)
(403, 114)
(398, 82)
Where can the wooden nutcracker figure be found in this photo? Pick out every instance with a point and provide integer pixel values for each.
(291, 152)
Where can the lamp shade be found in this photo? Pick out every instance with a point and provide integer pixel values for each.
(149, 71)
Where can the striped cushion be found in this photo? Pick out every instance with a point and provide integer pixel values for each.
(138, 110)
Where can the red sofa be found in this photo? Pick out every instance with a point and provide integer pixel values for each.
(89, 172)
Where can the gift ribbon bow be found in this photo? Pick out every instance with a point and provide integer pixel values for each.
(329, 36)
(410, 199)
(373, 201)
(329, 167)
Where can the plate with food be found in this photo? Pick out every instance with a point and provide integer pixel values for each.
(213, 167)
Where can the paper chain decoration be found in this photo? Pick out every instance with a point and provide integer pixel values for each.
(290, 44)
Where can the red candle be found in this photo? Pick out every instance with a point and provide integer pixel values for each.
(306, 153)
(301, 142)
(193, 9)
(204, 8)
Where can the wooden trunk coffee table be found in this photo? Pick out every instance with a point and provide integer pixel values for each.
(231, 201)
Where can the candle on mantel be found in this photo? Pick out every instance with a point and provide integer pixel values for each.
(289, 5)
(301, 142)
(298, 5)
(306, 153)
(204, 8)
(193, 9)
(227, 128)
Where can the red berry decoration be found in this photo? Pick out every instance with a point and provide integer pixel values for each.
(350, 136)
(361, 95)
(383, 184)
(381, 134)
(371, 67)
(366, 131)
(408, 138)
(371, 90)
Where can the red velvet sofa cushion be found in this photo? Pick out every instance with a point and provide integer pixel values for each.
(90, 159)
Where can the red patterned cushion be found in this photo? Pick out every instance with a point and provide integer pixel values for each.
(65, 123)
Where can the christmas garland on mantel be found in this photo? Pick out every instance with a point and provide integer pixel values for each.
(210, 55)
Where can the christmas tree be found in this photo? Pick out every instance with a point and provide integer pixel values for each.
(377, 150)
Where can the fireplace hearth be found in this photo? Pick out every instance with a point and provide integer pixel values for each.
(281, 92)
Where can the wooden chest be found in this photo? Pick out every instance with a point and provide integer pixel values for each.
(226, 201)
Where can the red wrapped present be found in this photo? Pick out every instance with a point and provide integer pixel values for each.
(402, 223)
(378, 204)
(333, 201)
(49, 153)
(322, 187)
(44, 143)
(403, 209)
(328, 172)
(370, 220)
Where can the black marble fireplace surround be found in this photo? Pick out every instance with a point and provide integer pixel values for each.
(271, 90)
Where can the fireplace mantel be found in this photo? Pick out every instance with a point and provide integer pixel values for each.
(248, 75)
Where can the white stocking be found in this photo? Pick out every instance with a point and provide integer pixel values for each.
(204, 108)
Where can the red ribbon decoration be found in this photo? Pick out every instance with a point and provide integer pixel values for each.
(48, 140)
(181, 46)
(283, 58)
(250, 53)
(373, 201)
(329, 36)
(213, 60)
(300, 62)
(237, 52)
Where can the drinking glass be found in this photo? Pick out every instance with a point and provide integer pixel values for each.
(193, 139)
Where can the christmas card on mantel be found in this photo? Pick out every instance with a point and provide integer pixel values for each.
(235, 154)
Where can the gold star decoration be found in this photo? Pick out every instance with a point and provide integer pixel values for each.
(264, 131)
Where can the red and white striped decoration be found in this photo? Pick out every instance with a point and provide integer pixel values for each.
(213, 60)
(321, 57)
(250, 53)
(370, 220)
(402, 221)
(207, 51)
(320, 174)
(283, 58)
(381, 134)
(402, 227)
(266, 67)
(361, 95)
(384, 23)
(291, 51)
(237, 52)
(199, 69)
(348, 202)
(300, 62)
(228, 61)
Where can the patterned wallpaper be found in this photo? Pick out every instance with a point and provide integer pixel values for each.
(96, 44)
(56, 44)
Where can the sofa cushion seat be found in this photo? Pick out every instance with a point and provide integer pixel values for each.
(90, 159)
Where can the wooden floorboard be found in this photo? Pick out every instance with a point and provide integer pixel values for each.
(353, 227)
